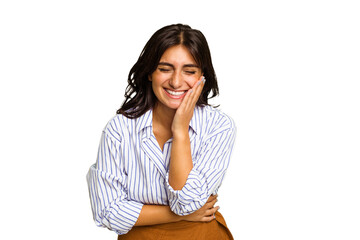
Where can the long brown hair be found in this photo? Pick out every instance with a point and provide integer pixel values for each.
(139, 96)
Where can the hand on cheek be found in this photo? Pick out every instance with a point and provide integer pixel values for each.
(186, 109)
(196, 90)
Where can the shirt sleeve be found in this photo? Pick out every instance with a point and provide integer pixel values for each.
(207, 174)
(107, 189)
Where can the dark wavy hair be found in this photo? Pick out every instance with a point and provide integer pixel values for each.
(139, 96)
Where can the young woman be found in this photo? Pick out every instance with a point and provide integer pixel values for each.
(163, 157)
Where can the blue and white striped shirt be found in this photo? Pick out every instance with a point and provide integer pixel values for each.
(131, 170)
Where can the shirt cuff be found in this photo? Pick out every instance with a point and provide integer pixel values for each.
(122, 218)
(191, 197)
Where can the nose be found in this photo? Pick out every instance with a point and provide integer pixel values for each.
(175, 80)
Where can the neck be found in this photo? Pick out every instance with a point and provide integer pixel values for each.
(163, 115)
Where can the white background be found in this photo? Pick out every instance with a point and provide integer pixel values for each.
(289, 76)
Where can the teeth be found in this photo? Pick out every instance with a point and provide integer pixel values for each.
(175, 93)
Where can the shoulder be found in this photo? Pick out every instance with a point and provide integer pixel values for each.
(117, 126)
(213, 120)
(218, 118)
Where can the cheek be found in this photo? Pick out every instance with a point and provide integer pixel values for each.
(155, 86)
(156, 79)
(191, 81)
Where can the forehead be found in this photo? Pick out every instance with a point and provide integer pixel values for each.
(177, 55)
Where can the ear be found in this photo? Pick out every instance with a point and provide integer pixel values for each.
(149, 77)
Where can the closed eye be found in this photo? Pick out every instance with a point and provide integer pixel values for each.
(164, 70)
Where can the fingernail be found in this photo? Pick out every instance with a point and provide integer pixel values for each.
(203, 79)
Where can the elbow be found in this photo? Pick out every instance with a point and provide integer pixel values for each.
(176, 186)
(181, 208)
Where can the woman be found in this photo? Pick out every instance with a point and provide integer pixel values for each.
(163, 157)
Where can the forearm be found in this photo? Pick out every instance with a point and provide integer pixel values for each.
(181, 162)
(156, 214)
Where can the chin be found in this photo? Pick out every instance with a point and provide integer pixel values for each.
(174, 106)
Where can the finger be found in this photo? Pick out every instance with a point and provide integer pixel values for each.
(210, 215)
(211, 211)
(208, 218)
(185, 102)
(211, 204)
(212, 197)
(201, 84)
(197, 89)
(193, 95)
(215, 209)
(187, 97)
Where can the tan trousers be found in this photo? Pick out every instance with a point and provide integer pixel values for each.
(183, 230)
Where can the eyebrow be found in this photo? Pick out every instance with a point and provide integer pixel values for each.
(170, 65)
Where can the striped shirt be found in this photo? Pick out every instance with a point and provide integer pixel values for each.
(132, 170)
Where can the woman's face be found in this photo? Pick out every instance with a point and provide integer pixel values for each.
(176, 73)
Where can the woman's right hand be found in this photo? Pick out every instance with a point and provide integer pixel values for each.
(206, 213)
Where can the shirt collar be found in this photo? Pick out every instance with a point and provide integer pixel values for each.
(194, 122)
(145, 121)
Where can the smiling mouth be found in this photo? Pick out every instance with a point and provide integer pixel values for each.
(175, 94)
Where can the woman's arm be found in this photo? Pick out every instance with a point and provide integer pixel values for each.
(157, 214)
(107, 186)
(181, 162)
(189, 186)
